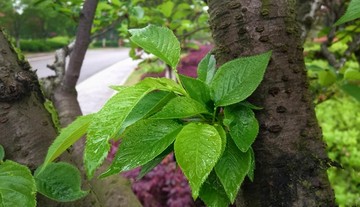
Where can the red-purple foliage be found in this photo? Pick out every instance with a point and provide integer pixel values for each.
(166, 185)
(189, 63)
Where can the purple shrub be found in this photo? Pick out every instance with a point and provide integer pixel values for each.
(188, 64)
(164, 186)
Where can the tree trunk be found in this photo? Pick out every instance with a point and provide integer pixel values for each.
(291, 161)
(65, 96)
(25, 125)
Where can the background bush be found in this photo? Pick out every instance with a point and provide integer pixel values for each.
(39, 45)
(339, 118)
(109, 43)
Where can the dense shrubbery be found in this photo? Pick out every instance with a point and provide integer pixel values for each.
(340, 121)
(108, 43)
(38, 45)
(188, 64)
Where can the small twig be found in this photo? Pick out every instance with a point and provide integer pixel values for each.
(183, 36)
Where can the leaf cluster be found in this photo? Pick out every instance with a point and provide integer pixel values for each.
(18, 187)
(205, 121)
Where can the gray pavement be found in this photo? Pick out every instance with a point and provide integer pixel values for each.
(95, 60)
(93, 88)
(94, 91)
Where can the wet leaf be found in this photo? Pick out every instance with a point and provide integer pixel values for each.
(207, 68)
(223, 136)
(243, 125)
(197, 149)
(164, 84)
(59, 181)
(180, 107)
(252, 165)
(142, 142)
(153, 163)
(238, 79)
(17, 185)
(107, 123)
(197, 90)
(159, 41)
(212, 192)
(68, 136)
(232, 168)
(148, 105)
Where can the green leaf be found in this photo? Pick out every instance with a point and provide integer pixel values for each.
(352, 74)
(153, 163)
(212, 192)
(68, 137)
(207, 68)
(252, 165)
(151, 103)
(352, 12)
(197, 149)
(138, 12)
(180, 107)
(166, 8)
(197, 90)
(223, 136)
(118, 88)
(250, 105)
(164, 84)
(159, 41)
(327, 77)
(108, 122)
(142, 142)
(232, 168)
(59, 181)
(17, 185)
(352, 90)
(2, 153)
(243, 125)
(238, 79)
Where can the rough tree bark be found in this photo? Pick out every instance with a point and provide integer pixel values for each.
(291, 161)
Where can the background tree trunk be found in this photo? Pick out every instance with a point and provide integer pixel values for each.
(291, 161)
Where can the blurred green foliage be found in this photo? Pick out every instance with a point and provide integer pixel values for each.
(108, 43)
(25, 19)
(41, 45)
(325, 79)
(340, 122)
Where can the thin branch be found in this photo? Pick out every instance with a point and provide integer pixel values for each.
(82, 42)
(109, 27)
(183, 36)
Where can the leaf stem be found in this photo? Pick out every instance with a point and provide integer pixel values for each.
(179, 81)
(214, 115)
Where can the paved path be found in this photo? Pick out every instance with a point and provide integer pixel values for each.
(95, 91)
(95, 61)
(101, 69)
